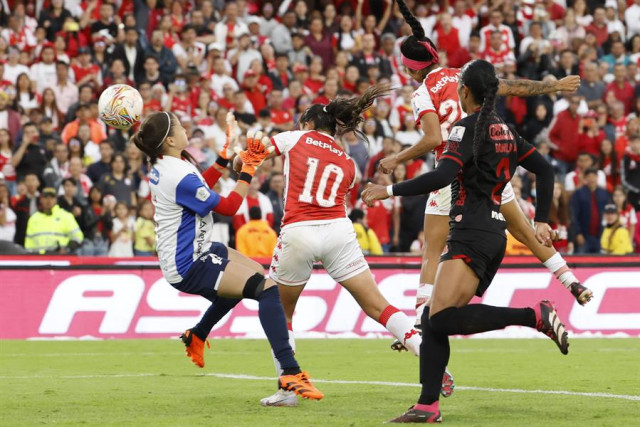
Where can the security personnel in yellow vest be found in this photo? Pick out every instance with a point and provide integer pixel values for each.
(367, 238)
(52, 229)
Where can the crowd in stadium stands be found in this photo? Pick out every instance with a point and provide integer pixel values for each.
(69, 184)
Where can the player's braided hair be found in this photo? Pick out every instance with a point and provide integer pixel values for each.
(343, 115)
(154, 130)
(411, 46)
(480, 77)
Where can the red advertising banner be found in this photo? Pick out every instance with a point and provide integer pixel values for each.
(136, 302)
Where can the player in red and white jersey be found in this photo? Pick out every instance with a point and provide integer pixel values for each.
(438, 96)
(437, 106)
(316, 192)
(315, 228)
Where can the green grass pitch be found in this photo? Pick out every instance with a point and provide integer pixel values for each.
(151, 382)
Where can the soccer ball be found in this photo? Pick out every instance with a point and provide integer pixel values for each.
(120, 106)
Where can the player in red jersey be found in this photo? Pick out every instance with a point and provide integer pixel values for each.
(436, 107)
(318, 175)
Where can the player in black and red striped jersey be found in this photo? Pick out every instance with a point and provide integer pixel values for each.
(481, 155)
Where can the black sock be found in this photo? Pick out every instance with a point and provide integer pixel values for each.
(274, 323)
(214, 313)
(434, 356)
(475, 318)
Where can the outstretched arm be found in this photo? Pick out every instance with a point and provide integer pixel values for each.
(533, 88)
(442, 176)
(385, 16)
(430, 140)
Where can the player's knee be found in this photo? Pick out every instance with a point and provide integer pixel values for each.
(254, 286)
(443, 321)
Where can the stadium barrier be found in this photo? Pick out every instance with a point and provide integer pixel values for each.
(82, 297)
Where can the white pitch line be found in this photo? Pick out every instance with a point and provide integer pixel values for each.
(320, 381)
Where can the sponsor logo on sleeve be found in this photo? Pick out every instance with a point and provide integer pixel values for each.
(154, 176)
(202, 194)
(456, 133)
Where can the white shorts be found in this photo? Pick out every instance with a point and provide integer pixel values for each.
(439, 202)
(507, 194)
(333, 244)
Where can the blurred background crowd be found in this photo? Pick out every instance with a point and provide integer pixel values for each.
(69, 184)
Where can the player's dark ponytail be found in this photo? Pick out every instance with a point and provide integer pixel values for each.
(343, 115)
(153, 131)
(417, 47)
(480, 77)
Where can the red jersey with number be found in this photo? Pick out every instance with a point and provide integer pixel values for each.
(439, 94)
(318, 175)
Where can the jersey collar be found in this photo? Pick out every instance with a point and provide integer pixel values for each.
(427, 76)
(326, 134)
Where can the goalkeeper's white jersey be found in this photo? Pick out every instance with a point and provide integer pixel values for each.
(183, 204)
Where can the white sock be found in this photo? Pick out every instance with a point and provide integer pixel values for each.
(401, 327)
(567, 278)
(422, 297)
(292, 343)
(558, 266)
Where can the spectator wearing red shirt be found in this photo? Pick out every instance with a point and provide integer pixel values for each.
(351, 77)
(599, 26)
(314, 82)
(379, 217)
(496, 20)
(200, 85)
(4, 83)
(264, 82)
(17, 34)
(85, 71)
(389, 146)
(609, 161)
(632, 127)
(169, 36)
(328, 93)
(464, 55)
(252, 90)
(555, 11)
(497, 53)
(621, 88)
(446, 36)
(73, 37)
(564, 134)
(281, 118)
(591, 136)
(254, 198)
(179, 100)
(150, 104)
(228, 99)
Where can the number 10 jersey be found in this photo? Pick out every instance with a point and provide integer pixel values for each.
(318, 175)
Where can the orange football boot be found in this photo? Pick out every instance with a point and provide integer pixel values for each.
(194, 347)
(301, 385)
